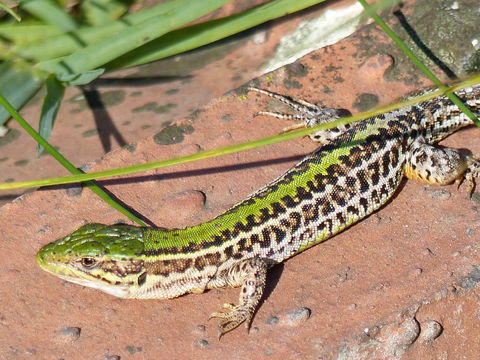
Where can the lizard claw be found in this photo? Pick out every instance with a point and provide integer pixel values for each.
(232, 318)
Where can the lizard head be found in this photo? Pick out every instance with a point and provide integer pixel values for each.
(98, 256)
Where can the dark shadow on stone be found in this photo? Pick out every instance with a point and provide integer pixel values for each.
(73, 189)
(416, 39)
(133, 211)
(135, 81)
(273, 277)
(68, 187)
(105, 126)
(8, 198)
(199, 172)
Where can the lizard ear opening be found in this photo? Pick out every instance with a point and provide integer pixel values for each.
(142, 279)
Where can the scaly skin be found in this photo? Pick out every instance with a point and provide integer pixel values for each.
(358, 168)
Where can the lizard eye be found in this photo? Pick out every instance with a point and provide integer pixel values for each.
(88, 262)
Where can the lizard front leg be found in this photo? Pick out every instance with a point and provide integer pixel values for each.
(250, 274)
(308, 114)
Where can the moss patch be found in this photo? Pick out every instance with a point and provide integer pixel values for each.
(130, 147)
(172, 91)
(227, 117)
(365, 102)
(155, 108)
(172, 134)
(21, 162)
(292, 84)
(90, 133)
(112, 97)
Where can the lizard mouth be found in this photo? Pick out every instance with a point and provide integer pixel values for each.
(81, 278)
(120, 291)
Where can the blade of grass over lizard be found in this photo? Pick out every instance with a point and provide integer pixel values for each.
(229, 149)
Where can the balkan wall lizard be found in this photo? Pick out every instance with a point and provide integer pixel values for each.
(355, 171)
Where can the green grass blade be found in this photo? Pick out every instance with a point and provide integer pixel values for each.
(10, 12)
(66, 44)
(99, 12)
(18, 85)
(229, 149)
(62, 160)
(51, 104)
(418, 62)
(51, 13)
(198, 35)
(96, 55)
(27, 32)
(80, 79)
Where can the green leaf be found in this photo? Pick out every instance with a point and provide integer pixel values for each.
(133, 36)
(201, 34)
(51, 13)
(51, 104)
(27, 32)
(17, 85)
(80, 79)
(99, 12)
(66, 44)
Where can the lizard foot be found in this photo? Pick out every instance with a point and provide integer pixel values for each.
(250, 274)
(231, 319)
(308, 114)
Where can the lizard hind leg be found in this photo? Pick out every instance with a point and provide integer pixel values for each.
(251, 275)
(440, 165)
(308, 114)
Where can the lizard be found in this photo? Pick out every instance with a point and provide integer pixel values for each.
(357, 169)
